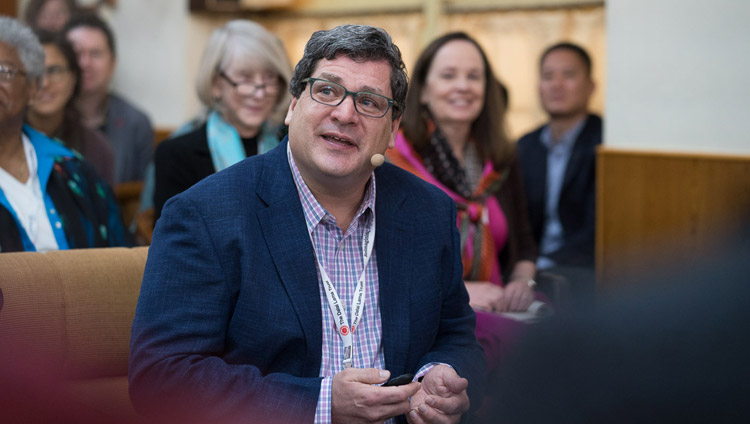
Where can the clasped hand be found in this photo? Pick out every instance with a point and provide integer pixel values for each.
(441, 399)
(355, 399)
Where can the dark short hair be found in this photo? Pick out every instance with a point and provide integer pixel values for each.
(360, 43)
(93, 21)
(488, 129)
(571, 47)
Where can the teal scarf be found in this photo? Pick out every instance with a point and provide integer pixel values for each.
(225, 144)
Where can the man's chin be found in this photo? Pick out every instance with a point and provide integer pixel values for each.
(562, 113)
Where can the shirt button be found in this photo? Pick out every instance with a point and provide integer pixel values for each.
(52, 211)
(58, 225)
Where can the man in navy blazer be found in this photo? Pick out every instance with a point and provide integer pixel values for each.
(233, 320)
(558, 164)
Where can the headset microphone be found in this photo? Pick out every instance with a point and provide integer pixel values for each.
(377, 159)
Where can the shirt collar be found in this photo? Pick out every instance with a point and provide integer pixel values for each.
(568, 138)
(314, 211)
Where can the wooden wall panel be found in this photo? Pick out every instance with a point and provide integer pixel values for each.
(9, 8)
(657, 210)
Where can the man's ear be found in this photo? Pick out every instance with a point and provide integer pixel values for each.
(290, 111)
(394, 130)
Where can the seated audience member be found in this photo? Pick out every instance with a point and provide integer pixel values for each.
(558, 166)
(50, 15)
(453, 137)
(49, 197)
(53, 110)
(249, 288)
(242, 80)
(126, 127)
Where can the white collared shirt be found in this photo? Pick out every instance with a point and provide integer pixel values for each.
(27, 200)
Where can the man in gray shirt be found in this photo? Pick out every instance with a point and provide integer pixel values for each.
(126, 127)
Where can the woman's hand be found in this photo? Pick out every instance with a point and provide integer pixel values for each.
(518, 296)
(515, 296)
(485, 295)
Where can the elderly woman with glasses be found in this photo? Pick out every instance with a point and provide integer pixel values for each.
(53, 110)
(452, 136)
(242, 80)
(50, 198)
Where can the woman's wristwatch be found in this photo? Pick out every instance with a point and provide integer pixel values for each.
(529, 281)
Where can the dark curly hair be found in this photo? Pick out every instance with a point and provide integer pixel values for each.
(360, 43)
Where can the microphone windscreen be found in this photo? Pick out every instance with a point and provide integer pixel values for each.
(377, 159)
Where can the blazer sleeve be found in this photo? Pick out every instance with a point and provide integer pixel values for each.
(456, 343)
(578, 249)
(520, 244)
(168, 173)
(178, 370)
(175, 167)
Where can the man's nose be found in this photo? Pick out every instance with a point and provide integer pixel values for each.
(84, 59)
(345, 112)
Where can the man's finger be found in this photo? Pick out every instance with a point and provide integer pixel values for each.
(457, 384)
(453, 405)
(397, 394)
(432, 415)
(365, 375)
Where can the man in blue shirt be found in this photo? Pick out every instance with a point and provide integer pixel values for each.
(558, 166)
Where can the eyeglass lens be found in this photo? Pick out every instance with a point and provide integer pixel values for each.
(332, 94)
(270, 85)
(7, 73)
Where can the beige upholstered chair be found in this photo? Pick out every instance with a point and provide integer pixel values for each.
(65, 318)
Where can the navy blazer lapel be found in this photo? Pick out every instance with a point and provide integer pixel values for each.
(575, 162)
(393, 266)
(285, 232)
(580, 153)
(537, 180)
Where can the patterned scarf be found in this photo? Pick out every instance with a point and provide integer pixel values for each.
(441, 163)
(439, 166)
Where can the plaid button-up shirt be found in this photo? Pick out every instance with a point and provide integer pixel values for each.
(340, 254)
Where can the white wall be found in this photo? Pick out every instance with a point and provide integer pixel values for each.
(156, 60)
(678, 75)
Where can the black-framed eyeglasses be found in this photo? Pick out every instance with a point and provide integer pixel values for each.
(332, 94)
(249, 87)
(7, 73)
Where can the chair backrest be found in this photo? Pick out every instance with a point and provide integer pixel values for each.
(72, 311)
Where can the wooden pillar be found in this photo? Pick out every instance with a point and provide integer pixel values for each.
(433, 14)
